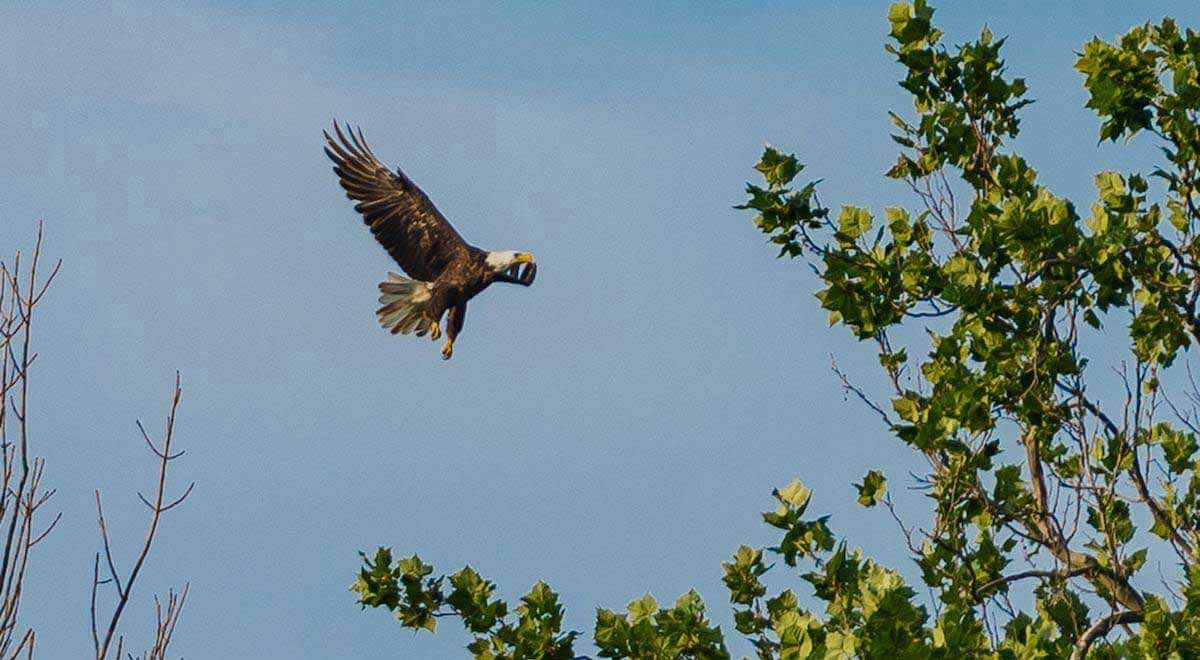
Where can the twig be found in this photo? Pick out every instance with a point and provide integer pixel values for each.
(850, 387)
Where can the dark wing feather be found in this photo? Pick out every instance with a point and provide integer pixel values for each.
(399, 214)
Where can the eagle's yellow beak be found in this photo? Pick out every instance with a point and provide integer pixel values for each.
(524, 258)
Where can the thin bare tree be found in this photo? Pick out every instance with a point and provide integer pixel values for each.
(104, 635)
(22, 496)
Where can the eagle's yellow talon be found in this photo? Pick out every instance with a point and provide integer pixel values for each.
(448, 349)
(435, 331)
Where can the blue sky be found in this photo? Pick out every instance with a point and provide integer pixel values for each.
(614, 429)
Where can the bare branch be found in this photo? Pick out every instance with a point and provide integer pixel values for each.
(167, 619)
(850, 387)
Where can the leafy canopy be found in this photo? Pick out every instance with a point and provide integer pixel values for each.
(985, 303)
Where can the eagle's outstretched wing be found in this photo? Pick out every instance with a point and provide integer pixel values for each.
(399, 214)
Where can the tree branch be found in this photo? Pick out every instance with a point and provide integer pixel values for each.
(1102, 628)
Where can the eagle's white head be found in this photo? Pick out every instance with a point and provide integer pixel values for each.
(502, 261)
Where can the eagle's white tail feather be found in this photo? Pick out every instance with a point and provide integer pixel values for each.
(405, 303)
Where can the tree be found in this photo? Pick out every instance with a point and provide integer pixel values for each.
(22, 495)
(23, 286)
(985, 305)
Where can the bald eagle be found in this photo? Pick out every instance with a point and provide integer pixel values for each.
(446, 271)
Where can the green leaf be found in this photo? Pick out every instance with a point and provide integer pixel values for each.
(779, 169)
(872, 489)
(794, 494)
(643, 608)
(854, 222)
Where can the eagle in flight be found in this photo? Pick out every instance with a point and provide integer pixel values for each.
(446, 271)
